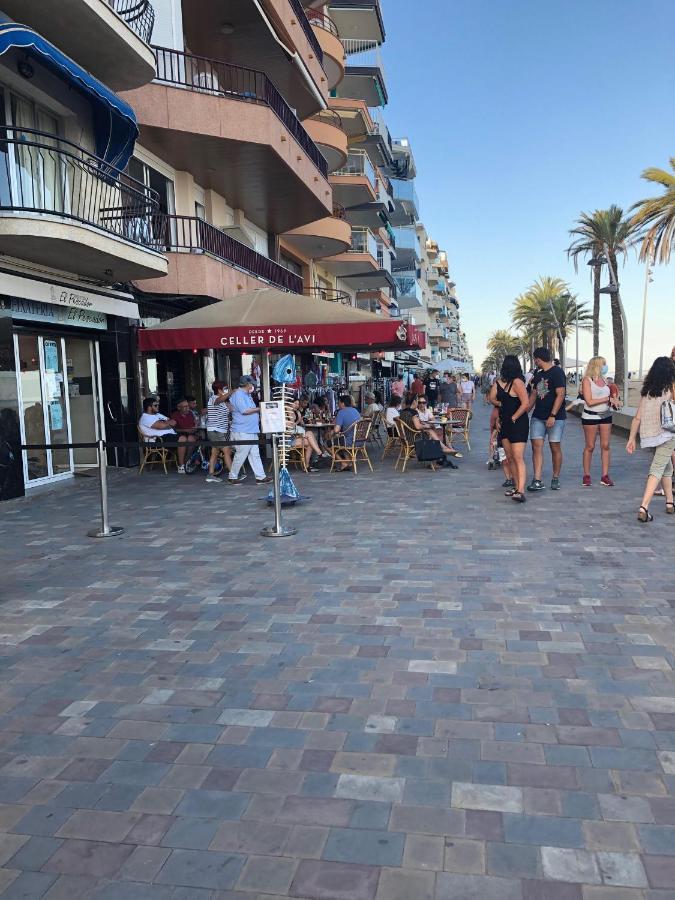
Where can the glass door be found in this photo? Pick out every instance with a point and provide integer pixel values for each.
(44, 403)
(83, 397)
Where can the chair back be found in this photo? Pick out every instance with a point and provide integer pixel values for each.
(143, 438)
(362, 429)
(405, 432)
(458, 417)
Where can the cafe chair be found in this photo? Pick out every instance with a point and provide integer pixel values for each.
(458, 425)
(406, 438)
(296, 456)
(375, 436)
(343, 451)
(154, 453)
(393, 441)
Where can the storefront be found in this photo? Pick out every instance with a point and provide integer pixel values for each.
(52, 342)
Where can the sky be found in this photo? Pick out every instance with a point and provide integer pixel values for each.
(521, 115)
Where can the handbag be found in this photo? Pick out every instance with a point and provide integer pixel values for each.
(668, 415)
(428, 450)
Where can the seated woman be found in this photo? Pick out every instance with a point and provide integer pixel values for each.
(410, 417)
(304, 439)
(319, 408)
(392, 412)
(426, 417)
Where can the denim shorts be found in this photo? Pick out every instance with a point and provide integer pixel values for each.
(538, 430)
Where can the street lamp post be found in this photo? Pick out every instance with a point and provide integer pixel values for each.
(648, 280)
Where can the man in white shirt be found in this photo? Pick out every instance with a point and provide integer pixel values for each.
(152, 423)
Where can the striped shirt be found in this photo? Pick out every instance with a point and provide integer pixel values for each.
(217, 415)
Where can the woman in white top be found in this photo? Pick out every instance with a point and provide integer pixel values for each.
(468, 391)
(596, 418)
(659, 385)
(392, 413)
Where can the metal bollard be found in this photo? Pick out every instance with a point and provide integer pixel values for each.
(106, 529)
(278, 529)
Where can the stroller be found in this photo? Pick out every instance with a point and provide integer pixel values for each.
(496, 454)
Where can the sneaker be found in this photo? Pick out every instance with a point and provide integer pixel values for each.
(607, 481)
(555, 484)
(181, 470)
(509, 483)
(239, 480)
(267, 480)
(586, 481)
(536, 485)
(213, 479)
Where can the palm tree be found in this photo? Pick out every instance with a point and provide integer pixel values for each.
(546, 311)
(588, 242)
(657, 214)
(501, 343)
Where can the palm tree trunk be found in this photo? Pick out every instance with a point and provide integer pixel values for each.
(597, 274)
(617, 327)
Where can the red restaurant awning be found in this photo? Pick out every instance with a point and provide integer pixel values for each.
(272, 319)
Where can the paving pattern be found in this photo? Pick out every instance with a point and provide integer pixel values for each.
(429, 693)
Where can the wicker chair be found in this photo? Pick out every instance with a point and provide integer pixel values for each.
(458, 424)
(406, 437)
(343, 452)
(296, 456)
(153, 453)
(393, 441)
(375, 435)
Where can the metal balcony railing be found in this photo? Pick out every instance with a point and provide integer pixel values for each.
(42, 173)
(358, 163)
(321, 20)
(303, 21)
(329, 116)
(212, 76)
(363, 241)
(363, 52)
(138, 14)
(188, 233)
(331, 294)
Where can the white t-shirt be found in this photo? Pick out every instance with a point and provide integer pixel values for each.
(391, 414)
(146, 422)
(467, 387)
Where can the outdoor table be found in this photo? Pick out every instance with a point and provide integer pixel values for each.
(320, 426)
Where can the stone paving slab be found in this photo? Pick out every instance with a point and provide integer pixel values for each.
(428, 693)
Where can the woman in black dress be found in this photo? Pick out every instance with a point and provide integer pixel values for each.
(509, 395)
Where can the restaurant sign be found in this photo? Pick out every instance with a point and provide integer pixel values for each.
(34, 311)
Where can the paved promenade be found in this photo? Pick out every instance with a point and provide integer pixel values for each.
(429, 693)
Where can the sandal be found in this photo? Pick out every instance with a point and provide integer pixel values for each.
(519, 497)
(670, 509)
(644, 515)
(456, 454)
(510, 492)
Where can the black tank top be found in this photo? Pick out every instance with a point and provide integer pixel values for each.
(509, 404)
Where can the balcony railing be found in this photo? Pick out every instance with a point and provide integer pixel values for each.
(329, 116)
(358, 163)
(188, 233)
(321, 20)
(331, 294)
(363, 241)
(212, 76)
(303, 21)
(138, 14)
(42, 173)
(363, 52)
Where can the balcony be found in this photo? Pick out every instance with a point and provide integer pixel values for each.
(410, 294)
(364, 74)
(64, 208)
(360, 256)
(206, 262)
(234, 132)
(323, 238)
(325, 129)
(328, 37)
(108, 38)
(272, 34)
(407, 248)
(406, 204)
(355, 182)
(435, 303)
(358, 18)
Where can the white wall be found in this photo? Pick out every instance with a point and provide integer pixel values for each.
(168, 30)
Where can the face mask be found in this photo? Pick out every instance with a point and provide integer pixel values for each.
(604, 370)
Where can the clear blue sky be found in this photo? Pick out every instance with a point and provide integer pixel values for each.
(522, 114)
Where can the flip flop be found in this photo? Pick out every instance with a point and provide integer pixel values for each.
(644, 515)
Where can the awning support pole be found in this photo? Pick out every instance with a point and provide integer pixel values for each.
(266, 374)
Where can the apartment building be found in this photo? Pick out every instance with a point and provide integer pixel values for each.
(76, 227)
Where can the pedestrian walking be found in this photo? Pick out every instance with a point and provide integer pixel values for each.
(398, 387)
(467, 390)
(657, 388)
(432, 387)
(509, 394)
(596, 418)
(548, 417)
(246, 426)
(448, 390)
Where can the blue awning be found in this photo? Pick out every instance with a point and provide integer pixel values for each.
(115, 127)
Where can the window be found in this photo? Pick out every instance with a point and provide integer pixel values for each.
(290, 264)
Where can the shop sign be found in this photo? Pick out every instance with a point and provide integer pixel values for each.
(69, 297)
(34, 311)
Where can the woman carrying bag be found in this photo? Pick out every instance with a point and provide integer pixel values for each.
(657, 430)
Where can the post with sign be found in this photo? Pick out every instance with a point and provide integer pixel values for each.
(273, 421)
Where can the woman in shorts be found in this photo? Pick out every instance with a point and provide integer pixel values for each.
(596, 418)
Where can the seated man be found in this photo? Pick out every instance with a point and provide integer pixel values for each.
(409, 415)
(372, 406)
(345, 425)
(152, 424)
(186, 428)
(197, 413)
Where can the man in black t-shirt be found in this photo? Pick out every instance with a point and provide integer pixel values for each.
(432, 387)
(547, 401)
